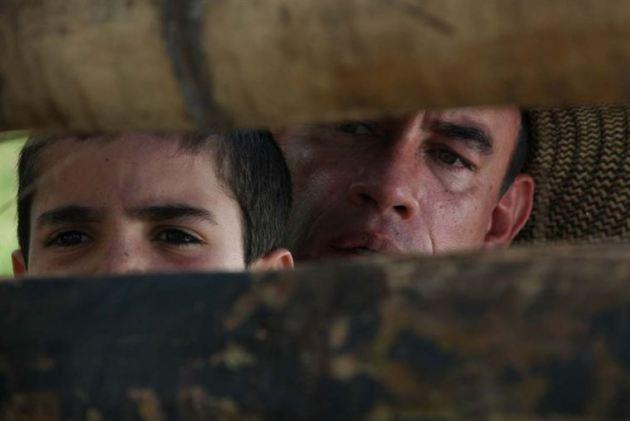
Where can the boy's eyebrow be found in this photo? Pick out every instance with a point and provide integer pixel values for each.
(69, 214)
(473, 136)
(169, 211)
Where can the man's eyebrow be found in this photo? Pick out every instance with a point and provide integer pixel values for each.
(69, 214)
(165, 212)
(475, 137)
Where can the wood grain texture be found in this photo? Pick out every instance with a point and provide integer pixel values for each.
(518, 334)
(176, 65)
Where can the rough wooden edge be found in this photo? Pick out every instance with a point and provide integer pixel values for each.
(517, 334)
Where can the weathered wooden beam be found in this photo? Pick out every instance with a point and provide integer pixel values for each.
(517, 334)
(180, 64)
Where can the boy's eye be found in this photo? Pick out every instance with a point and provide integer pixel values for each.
(68, 239)
(450, 158)
(176, 237)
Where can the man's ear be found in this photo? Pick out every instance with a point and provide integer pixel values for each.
(274, 260)
(511, 213)
(19, 264)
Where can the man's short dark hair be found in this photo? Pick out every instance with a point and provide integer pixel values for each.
(248, 163)
(519, 156)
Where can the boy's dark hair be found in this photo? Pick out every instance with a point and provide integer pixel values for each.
(519, 156)
(248, 163)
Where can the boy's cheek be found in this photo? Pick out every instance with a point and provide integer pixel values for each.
(199, 259)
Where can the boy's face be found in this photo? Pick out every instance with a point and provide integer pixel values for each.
(130, 205)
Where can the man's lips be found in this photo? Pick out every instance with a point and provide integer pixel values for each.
(362, 243)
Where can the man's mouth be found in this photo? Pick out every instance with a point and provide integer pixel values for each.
(354, 251)
(361, 244)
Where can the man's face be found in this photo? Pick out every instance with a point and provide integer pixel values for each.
(131, 205)
(429, 183)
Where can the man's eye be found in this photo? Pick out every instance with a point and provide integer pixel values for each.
(176, 237)
(451, 159)
(356, 128)
(68, 239)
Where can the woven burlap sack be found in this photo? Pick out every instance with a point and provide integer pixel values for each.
(580, 158)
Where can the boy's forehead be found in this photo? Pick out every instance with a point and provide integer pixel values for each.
(126, 146)
(127, 169)
(114, 151)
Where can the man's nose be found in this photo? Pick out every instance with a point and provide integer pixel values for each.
(387, 187)
(385, 195)
(389, 180)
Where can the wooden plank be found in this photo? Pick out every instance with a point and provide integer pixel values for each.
(179, 64)
(519, 334)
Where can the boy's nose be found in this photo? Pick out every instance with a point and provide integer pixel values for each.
(124, 256)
